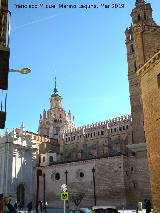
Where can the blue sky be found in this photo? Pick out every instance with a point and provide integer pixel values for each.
(87, 50)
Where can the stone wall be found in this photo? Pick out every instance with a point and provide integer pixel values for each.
(150, 87)
(97, 140)
(109, 182)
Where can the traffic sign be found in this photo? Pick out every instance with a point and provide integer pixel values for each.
(64, 187)
(64, 195)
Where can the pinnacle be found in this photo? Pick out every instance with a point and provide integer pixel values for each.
(140, 2)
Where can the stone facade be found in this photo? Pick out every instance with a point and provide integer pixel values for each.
(18, 155)
(105, 143)
(142, 40)
(149, 75)
(107, 138)
(109, 182)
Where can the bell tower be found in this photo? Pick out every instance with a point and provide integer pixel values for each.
(142, 41)
(55, 120)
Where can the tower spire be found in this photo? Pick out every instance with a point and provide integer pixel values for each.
(55, 88)
(140, 2)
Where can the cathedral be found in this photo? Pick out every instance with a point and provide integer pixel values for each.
(104, 163)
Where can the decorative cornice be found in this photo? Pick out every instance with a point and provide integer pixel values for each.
(150, 63)
(137, 28)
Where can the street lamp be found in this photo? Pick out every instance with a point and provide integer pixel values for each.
(3, 112)
(94, 186)
(66, 173)
(44, 190)
(38, 174)
(6, 156)
(22, 71)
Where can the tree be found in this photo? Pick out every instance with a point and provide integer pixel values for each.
(76, 198)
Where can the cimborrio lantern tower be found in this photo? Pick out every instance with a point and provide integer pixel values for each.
(55, 120)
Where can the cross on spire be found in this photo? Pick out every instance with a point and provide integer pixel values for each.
(55, 88)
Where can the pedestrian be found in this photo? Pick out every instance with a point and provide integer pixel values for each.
(5, 202)
(41, 205)
(11, 208)
(20, 205)
(148, 206)
(5, 209)
(29, 206)
(16, 205)
(45, 206)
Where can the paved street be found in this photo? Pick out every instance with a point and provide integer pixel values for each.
(61, 211)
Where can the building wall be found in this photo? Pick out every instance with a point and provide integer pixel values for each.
(18, 156)
(3, 21)
(150, 93)
(109, 182)
(142, 41)
(97, 140)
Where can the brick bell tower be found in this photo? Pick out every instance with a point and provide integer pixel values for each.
(55, 120)
(142, 41)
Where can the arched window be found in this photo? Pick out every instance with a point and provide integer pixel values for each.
(43, 159)
(57, 176)
(81, 174)
(131, 48)
(158, 80)
(50, 159)
(145, 16)
(139, 17)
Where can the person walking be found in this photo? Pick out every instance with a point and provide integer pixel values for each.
(11, 208)
(29, 206)
(41, 205)
(148, 206)
(20, 205)
(45, 206)
(16, 205)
